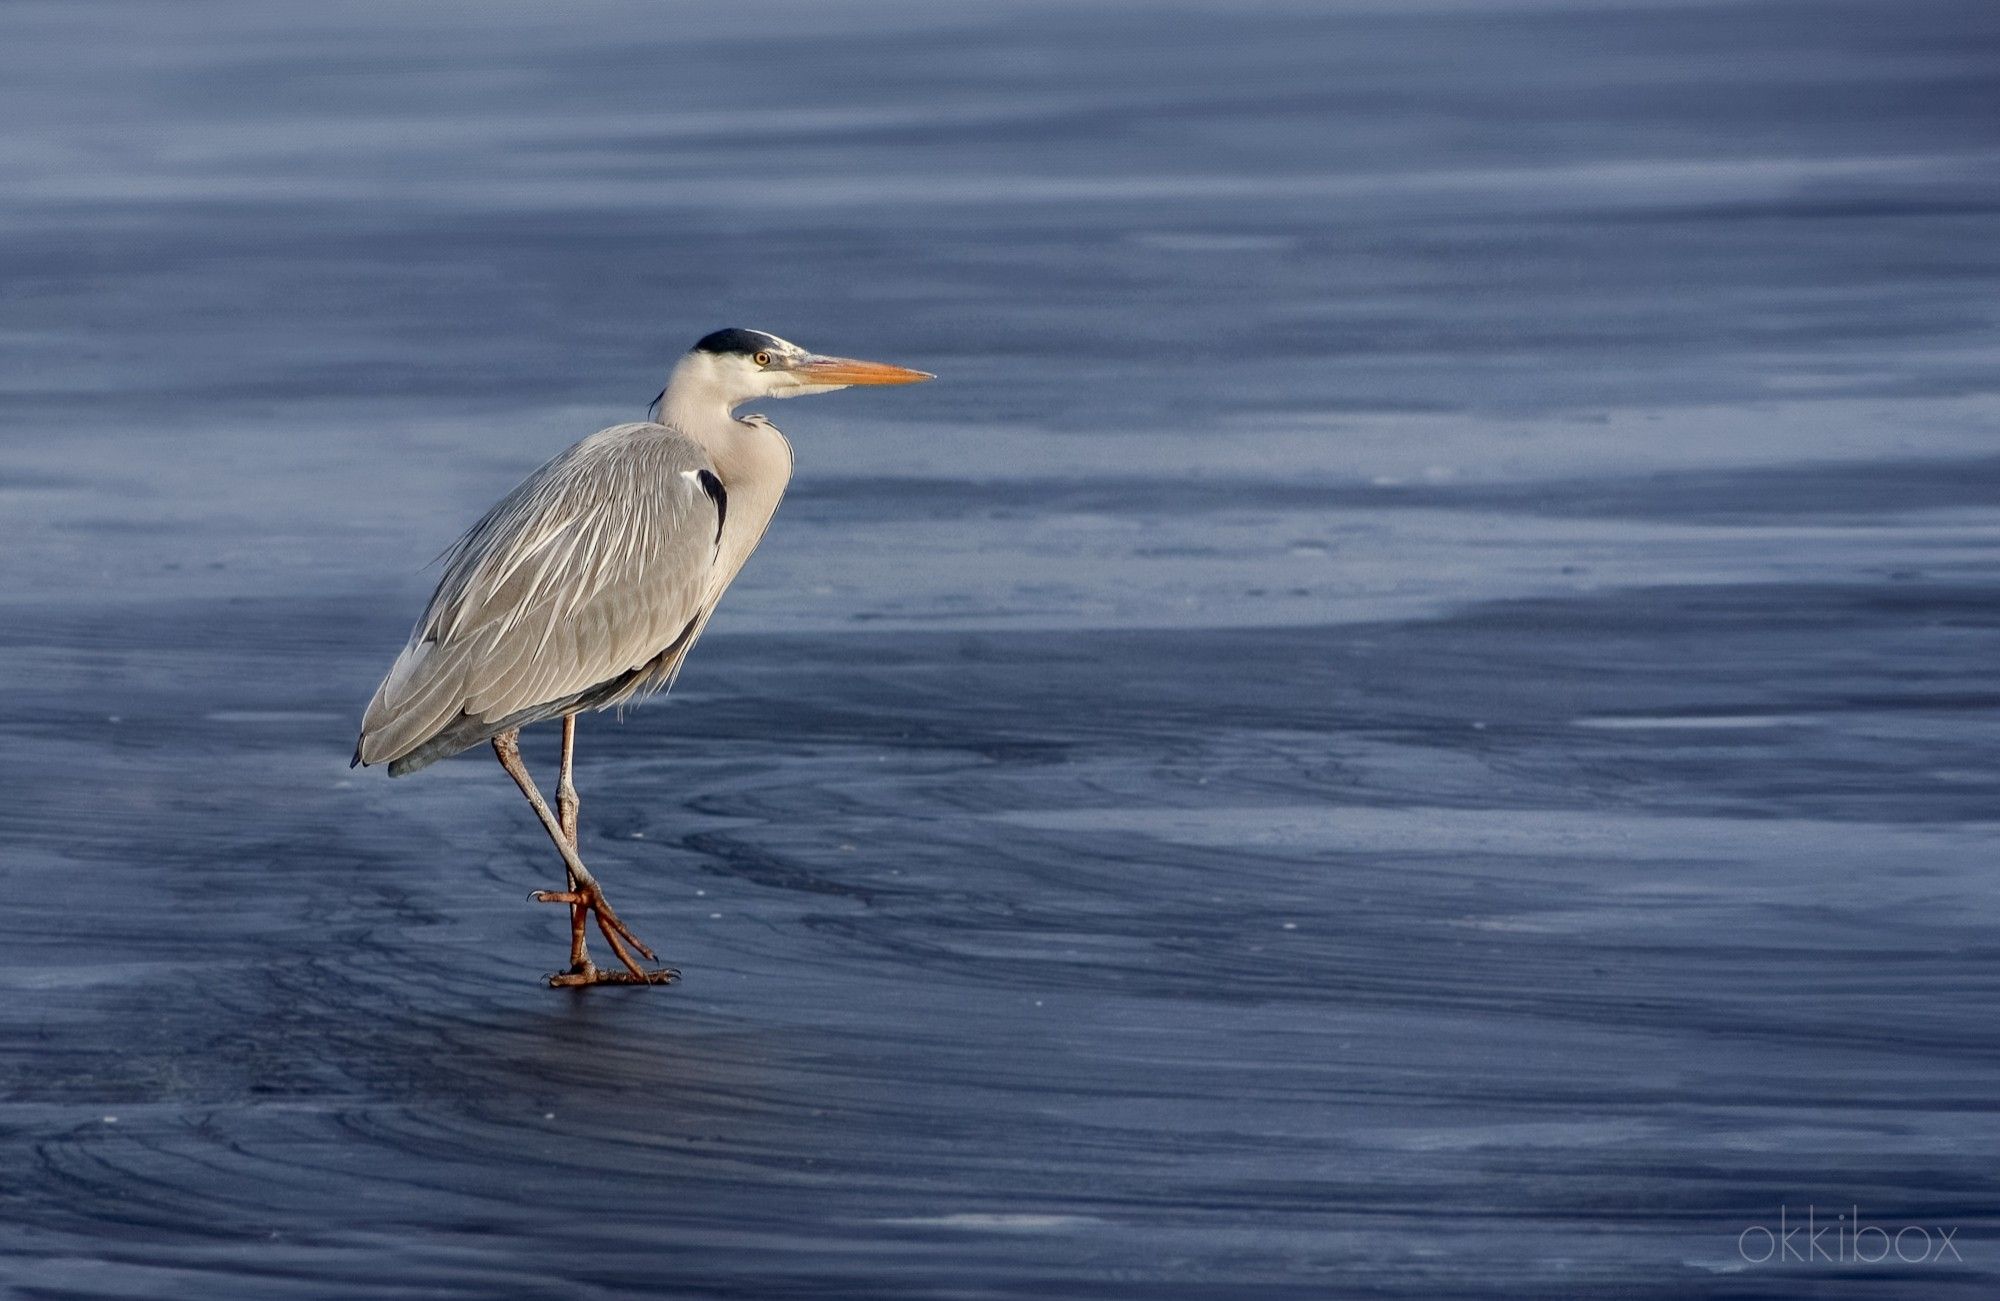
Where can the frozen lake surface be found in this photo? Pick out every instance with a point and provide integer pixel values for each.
(1414, 714)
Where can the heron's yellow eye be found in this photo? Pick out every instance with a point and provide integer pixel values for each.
(763, 359)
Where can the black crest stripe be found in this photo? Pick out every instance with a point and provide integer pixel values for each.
(744, 342)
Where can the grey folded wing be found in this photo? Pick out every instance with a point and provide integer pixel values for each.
(582, 588)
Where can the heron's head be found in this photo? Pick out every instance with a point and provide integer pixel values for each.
(737, 366)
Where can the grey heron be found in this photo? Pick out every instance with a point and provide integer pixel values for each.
(586, 586)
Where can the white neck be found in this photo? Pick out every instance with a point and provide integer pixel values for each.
(697, 402)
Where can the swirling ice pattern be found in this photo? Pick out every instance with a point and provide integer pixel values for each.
(1413, 715)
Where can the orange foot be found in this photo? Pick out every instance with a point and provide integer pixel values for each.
(616, 933)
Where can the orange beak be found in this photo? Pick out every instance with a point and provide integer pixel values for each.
(846, 370)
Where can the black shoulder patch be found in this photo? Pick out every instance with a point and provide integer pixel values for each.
(713, 487)
(745, 342)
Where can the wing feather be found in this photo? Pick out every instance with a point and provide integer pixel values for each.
(588, 571)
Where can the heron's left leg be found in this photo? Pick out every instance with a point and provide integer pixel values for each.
(568, 808)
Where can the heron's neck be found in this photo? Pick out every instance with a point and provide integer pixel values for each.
(700, 420)
(693, 400)
(698, 402)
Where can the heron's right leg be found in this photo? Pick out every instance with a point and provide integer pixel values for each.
(568, 808)
(507, 748)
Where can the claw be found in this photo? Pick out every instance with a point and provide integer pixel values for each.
(616, 933)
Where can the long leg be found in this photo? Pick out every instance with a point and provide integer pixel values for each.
(507, 748)
(569, 808)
